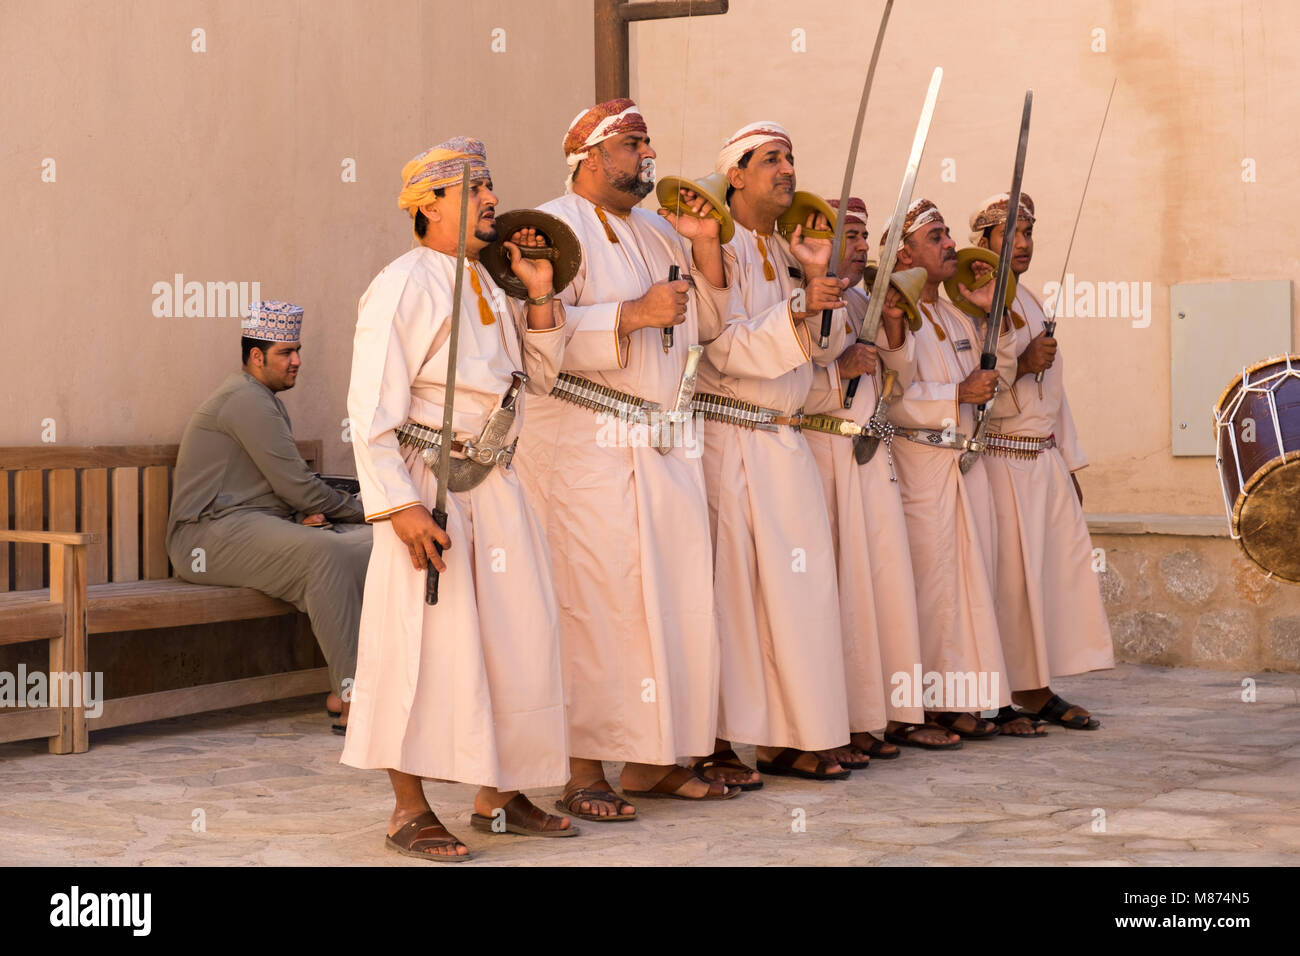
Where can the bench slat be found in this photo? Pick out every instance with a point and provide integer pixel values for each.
(63, 500)
(14, 457)
(135, 606)
(155, 522)
(4, 523)
(29, 515)
(94, 518)
(112, 609)
(126, 524)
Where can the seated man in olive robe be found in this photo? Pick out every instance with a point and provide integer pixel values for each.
(246, 510)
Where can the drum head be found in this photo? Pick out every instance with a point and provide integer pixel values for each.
(1266, 518)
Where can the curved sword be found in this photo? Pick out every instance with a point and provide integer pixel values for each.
(1050, 325)
(993, 321)
(444, 460)
(888, 253)
(837, 239)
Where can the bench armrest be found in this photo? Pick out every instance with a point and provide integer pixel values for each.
(70, 538)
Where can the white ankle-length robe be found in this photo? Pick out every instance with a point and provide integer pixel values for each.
(470, 689)
(877, 591)
(1049, 604)
(628, 527)
(782, 679)
(950, 523)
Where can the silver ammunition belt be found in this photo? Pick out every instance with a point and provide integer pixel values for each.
(423, 436)
(732, 411)
(1026, 447)
(600, 398)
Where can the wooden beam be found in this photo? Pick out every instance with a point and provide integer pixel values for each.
(196, 700)
(68, 651)
(14, 457)
(28, 723)
(51, 537)
(611, 35)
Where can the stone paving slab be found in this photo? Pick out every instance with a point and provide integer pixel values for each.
(1182, 772)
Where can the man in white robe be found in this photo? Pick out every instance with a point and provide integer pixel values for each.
(876, 587)
(950, 523)
(1049, 604)
(468, 689)
(782, 679)
(627, 522)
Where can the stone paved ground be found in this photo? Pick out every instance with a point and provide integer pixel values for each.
(1184, 770)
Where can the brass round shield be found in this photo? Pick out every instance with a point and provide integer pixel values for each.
(797, 215)
(562, 248)
(712, 187)
(966, 277)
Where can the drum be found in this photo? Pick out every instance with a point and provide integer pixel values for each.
(1257, 432)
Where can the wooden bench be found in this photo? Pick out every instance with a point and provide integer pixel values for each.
(87, 529)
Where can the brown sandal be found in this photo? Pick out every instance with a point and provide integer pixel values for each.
(678, 777)
(572, 800)
(783, 766)
(425, 833)
(522, 817)
(876, 750)
(902, 737)
(947, 719)
(726, 760)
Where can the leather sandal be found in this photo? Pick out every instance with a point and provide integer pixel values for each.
(726, 760)
(947, 719)
(522, 817)
(876, 750)
(862, 762)
(1054, 711)
(425, 833)
(783, 766)
(571, 802)
(1007, 715)
(903, 737)
(668, 786)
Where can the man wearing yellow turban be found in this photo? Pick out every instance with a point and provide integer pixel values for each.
(468, 689)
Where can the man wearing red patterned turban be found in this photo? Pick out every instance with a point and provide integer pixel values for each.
(619, 487)
(1049, 604)
(950, 523)
(877, 590)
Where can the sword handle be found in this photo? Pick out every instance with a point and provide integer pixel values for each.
(431, 581)
(666, 334)
(824, 341)
(1050, 328)
(851, 391)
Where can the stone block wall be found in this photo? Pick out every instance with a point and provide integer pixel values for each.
(1192, 599)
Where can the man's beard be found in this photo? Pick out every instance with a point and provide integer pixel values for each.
(630, 183)
(487, 233)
